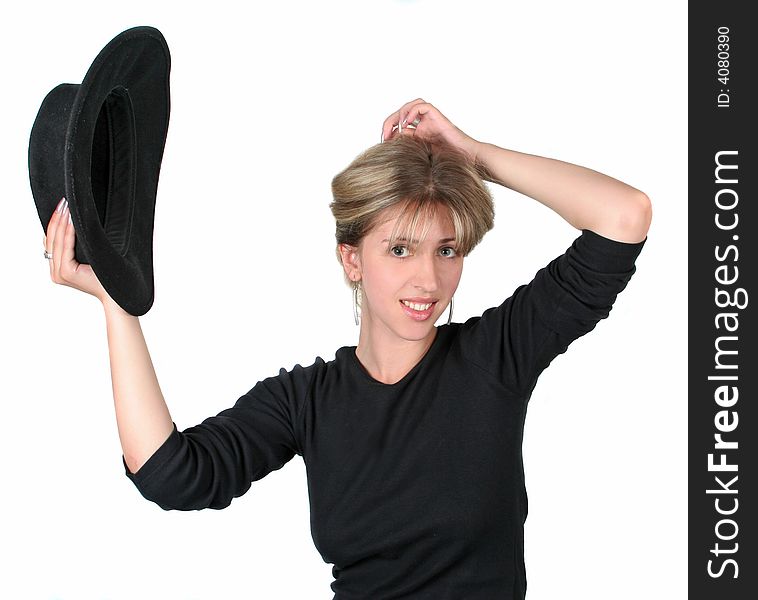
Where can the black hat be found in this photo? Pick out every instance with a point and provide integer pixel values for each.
(100, 144)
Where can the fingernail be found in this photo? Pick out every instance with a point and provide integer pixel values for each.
(69, 219)
(59, 208)
(65, 206)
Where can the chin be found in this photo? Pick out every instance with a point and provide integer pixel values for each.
(417, 331)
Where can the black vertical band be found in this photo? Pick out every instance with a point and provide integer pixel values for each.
(723, 270)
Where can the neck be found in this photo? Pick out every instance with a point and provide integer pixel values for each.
(386, 356)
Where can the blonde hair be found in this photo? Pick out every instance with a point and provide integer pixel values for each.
(417, 179)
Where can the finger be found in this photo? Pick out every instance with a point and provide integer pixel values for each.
(409, 131)
(417, 112)
(407, 109)
(413, 119)
(54, 220)
(52, 227)
(58, 243)
(395, 119)
(390, 123)
(69, 263)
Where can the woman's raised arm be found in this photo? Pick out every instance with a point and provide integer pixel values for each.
(144, 422)
(583, 197)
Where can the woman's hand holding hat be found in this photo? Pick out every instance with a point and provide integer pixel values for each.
(64, 269)
(419, 118)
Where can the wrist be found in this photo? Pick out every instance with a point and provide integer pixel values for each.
(484, 160)
(483, 151)
(112, 308)
(473, 149)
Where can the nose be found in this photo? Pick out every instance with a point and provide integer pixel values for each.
(426, 277)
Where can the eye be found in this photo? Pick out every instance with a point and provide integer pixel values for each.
(401, 249)
(452, 253)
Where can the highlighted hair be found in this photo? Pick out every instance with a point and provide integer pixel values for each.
(417, 180)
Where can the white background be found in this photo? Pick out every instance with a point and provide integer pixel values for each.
(269, 102)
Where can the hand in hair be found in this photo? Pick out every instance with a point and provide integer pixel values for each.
(419, 118)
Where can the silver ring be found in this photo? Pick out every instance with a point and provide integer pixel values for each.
(416, 121)
(48, 256)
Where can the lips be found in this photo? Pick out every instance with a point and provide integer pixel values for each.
(418, 315)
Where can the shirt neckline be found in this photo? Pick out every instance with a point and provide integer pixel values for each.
(417, 367)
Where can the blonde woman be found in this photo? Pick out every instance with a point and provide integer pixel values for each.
(411, 439)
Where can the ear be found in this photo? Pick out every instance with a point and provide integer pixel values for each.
(351, 261)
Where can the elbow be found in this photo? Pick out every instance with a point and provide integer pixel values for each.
(132, 463)
(635, 221)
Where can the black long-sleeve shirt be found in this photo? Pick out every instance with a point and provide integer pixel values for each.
(416, 488)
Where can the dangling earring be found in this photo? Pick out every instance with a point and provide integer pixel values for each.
(356, 286)
(450, 316)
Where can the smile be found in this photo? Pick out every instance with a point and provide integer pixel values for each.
(417, 311)
(417, 306)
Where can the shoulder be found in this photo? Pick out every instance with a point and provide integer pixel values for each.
(305, 375)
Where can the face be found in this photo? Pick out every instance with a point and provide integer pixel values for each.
(418, 274)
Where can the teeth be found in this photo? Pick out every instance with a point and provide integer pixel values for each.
(415, 306)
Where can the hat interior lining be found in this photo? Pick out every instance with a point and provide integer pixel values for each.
(113, 167)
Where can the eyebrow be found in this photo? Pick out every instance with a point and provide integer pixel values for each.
(402, 239)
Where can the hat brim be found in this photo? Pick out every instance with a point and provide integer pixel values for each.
(113, 150)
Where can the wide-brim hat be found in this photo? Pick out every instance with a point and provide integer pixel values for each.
(100, 144)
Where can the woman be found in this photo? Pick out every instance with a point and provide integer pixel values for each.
(411, 439)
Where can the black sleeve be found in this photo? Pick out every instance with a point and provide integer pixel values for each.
(208, 465)
(517, 340)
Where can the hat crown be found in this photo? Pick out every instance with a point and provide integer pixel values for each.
(47, 145)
